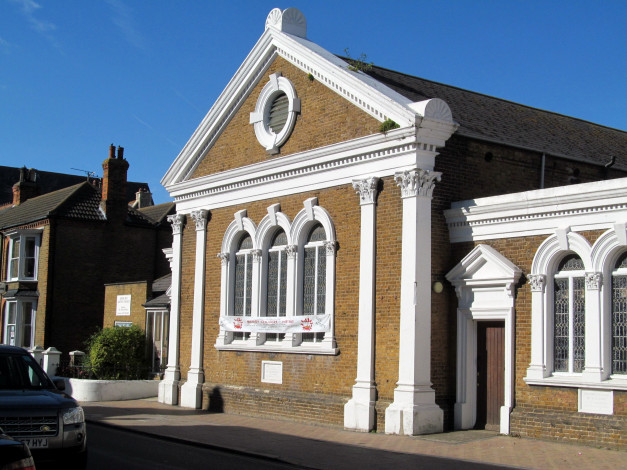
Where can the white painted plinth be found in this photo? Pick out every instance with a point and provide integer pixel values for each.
(413, 420)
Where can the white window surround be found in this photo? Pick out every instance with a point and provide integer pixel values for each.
(259, 118)
(599, 261)
(23, 236)
(18, 326)
(296, 233)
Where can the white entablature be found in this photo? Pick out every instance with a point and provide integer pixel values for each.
(284, 36)
(587, 206)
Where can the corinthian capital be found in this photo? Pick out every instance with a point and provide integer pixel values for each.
(177, 221)
(537, 282)
(593, 281)
(200, 218)
(417, 182)
(367, 190)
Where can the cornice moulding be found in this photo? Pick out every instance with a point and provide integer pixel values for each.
(587, 206)
(376, 155)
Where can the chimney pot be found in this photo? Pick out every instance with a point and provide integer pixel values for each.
(121, 153)
(111, 151)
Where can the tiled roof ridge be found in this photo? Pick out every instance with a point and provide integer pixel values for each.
(72, 191)
(494, 97)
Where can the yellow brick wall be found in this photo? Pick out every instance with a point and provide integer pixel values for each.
(139, 292)
(325, 118)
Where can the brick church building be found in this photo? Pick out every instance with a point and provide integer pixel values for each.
(360, 247)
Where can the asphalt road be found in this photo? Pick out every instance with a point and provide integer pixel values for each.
(113, 448)
(117, 449)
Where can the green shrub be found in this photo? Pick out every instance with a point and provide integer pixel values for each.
(388, 125)
(118, 354)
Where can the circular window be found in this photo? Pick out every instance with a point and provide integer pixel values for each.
(275, 113)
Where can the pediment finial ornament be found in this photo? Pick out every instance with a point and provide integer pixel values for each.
(290, 20)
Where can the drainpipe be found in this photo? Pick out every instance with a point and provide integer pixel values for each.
(607, 167)
(542, 171)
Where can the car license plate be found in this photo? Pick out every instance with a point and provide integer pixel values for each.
(36, 443)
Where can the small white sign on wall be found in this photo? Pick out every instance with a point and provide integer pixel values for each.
(596, 401)
(272, 372)
(123, 307)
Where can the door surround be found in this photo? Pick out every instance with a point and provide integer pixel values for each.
(485, 283)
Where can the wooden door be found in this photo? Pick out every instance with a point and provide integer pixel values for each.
(490, 374)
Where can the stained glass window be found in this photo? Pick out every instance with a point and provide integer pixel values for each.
(619, 316)
(314, 278)
(277, 281)
(569, 316)
(243, 281)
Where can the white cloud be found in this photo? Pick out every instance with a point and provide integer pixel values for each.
(123, 19)
(29, 7)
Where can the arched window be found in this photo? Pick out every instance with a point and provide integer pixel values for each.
(276, 296)
(314, 278)
(569, 316)
(243, 281)
(619, 316)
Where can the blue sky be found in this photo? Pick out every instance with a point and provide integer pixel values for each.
(76, 75)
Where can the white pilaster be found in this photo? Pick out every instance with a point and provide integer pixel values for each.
(168, 388)
(414, 410)
(191, 391)
(537, 368)
(593, 370)
(359, 412)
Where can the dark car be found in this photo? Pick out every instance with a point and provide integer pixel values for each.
(35, 410)
(14, 455)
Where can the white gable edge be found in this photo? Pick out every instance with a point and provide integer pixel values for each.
(501, 269)
(587, 206)
(371, 96)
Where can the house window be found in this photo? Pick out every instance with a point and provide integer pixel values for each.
(569, 316)
(314, 278)
(277, 281)
(619, 316)
(19, 323)
(22, 256)
(243, 282)
(157, 324)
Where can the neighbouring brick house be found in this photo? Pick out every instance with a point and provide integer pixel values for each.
(396, 254)
(59, 249)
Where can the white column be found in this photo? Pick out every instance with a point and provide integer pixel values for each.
(359, 412)
(191, 391)
(414, 410)
(537, 368)
(465, 411)
(593, 370)
(168, 388)
(290, 305)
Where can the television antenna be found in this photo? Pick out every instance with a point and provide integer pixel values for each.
(90, 174)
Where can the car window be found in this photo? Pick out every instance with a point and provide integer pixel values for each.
(21, 372)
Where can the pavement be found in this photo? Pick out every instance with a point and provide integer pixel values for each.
(329, 447)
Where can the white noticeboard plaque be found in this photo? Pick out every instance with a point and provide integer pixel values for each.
(272, 372)
(123, 307)
(596, 401)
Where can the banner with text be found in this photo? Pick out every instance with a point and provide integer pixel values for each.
(299, 324)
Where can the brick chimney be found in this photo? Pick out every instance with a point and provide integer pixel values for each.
(114, 168)
(26, 187)
(143, 198)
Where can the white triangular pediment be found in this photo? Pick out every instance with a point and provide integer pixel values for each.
(484, 265)
(285, 36)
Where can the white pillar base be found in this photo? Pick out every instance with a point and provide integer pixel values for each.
(191, 391)
(464, 416)
(414, 412)
(359, 413)
(413, 420)
(168, 392)
(505, 412)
